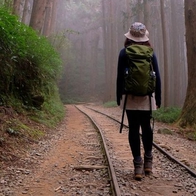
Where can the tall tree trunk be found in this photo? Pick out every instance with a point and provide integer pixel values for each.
(113, 48)
(178, 63)
(48, 18)
(94, 69)
(16, 7)
(38, 15)
(165, 54)
(106, 50)
(147, 11)
(140, 11)
(26, 12)
(188, 115)
(110, 47)
(54, 16)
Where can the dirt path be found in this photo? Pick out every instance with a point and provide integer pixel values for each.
(54, 173)
(48, 168)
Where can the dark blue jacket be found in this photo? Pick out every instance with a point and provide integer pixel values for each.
(122, 64)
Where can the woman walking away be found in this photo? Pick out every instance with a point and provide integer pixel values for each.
(139, 105)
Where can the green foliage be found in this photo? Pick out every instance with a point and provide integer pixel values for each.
(52, 112)
(192, 136)
(6, 3)
(71, 101)
(110, 104)
(165, 131)
(18, 129)
(29, 68)
(167, 115)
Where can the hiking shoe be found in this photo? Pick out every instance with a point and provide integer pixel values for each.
(138, 170)
(148, 164)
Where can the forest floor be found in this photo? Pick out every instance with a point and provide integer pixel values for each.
(38, 167)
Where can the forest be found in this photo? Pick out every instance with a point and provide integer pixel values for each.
(82, 40)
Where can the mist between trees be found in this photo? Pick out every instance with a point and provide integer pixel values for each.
(90, 33)
(95, 30)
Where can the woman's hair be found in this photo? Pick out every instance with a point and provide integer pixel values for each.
(129, 42)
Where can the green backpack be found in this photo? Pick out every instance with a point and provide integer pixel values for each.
(140, 79)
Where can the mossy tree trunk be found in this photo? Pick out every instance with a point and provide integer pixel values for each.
(188, 115)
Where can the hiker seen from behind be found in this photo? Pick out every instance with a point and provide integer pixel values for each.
(138, 91)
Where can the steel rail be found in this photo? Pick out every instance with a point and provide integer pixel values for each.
(188, 169)
(114, 185)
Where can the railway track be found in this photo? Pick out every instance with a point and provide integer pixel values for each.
(191, 171)
(170, 176)
(72, 161)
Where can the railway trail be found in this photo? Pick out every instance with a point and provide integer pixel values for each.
(167, 179)
(72, 163)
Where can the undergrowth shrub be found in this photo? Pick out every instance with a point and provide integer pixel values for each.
(110, 104)
(167, 115)
(29, 69)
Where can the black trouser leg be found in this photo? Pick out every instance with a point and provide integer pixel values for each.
(147, 134)
(134, 136)
(135, 120)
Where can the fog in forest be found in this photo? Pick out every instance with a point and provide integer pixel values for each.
(90, 34)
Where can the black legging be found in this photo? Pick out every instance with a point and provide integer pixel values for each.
(135, 120)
